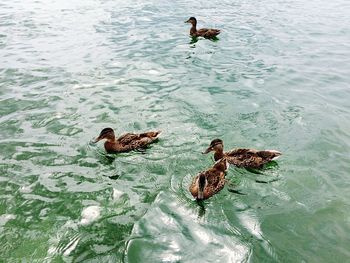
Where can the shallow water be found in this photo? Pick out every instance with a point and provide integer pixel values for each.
(278, 77)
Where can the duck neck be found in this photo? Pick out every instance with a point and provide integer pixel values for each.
(193, 30)
(110, 144)
(111, 139)
(219, 153)
(221, 165)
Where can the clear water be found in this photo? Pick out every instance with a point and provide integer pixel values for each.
(278, 77)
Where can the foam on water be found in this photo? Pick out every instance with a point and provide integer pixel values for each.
(90, 214)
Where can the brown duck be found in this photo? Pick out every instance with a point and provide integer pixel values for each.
(126, 142)
(203, 32)
(247, 158)
(209, 182)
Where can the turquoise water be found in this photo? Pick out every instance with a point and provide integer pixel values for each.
(277, 78)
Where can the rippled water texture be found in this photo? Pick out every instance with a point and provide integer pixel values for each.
(277, 78)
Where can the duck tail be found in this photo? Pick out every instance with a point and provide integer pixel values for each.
(271, 154)
(156, 133)
(152, 134)
(201, 185)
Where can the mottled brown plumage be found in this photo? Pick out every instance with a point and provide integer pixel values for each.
(203, 32)
(209, 182)
(247, 158)
(126, 142)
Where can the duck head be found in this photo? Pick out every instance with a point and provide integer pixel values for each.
(106, 133)
(192, 20)
(216, 145)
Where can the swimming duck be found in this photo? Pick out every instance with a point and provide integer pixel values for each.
(209, 182)
(247, 158)
(203, 32)
(127, 142)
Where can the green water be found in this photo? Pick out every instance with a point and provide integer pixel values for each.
(277, 78)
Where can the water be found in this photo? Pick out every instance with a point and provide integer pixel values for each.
(278, 78)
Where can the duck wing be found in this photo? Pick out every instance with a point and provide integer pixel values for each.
(133, 141)
(208, 32)
(241, 153)
(127, 138)
(213, 178)
(251, 158)
(244, 158)
(216, 182)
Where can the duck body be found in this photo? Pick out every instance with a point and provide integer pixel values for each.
(245, 158)
(208, 183)
(250, 158)
(203, 32)
(127, 142)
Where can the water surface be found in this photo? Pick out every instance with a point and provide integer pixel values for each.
(278, 78)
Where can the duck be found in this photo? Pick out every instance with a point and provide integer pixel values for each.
(203, 32)
(126, 142)
(245, 158)
(207, 183)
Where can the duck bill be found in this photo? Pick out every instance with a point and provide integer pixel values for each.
(97, 139)
(188, 21)
(207, 150)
